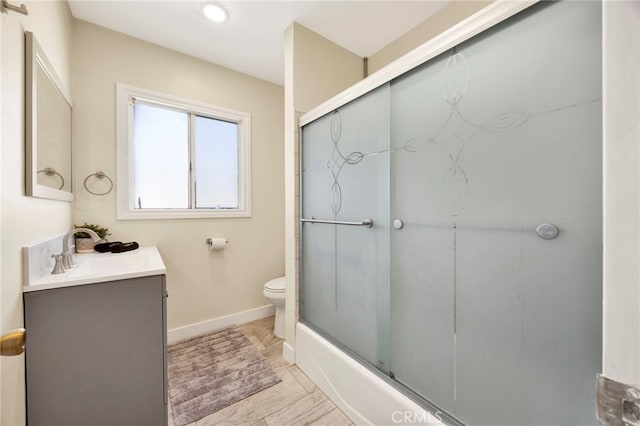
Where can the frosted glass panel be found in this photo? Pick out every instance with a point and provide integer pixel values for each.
(345, 175)
(529, 309)
(422, 268)
(489, 321)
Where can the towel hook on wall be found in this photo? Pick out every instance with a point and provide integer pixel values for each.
(6, 6)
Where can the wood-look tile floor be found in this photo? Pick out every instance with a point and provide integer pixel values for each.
(295, 401)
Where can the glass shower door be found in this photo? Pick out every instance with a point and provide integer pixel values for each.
(345, 267)
(530, 308)
(497, 144)
(422, 242)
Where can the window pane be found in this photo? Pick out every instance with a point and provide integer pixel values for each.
(216, 163)
(160, 157)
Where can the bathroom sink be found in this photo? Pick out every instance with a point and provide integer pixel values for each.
(124, 263)
(100, 267)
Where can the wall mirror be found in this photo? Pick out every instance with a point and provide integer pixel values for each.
(49, 171)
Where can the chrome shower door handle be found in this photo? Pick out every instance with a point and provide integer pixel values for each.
(366, 223)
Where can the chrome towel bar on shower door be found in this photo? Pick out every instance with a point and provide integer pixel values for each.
(367, 222)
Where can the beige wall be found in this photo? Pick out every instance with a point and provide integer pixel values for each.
(431, 27)
(24, 219)
(321, 68)
(201, 284)
(316, 69)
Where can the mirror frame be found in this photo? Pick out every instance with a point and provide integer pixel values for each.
(34, 58)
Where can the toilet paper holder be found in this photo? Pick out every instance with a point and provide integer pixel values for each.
(209, 240)
(214, 243)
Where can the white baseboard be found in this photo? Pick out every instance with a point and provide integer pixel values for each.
(288, 353)
(181, 333)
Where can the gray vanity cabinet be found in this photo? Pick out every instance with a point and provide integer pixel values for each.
(96, 354)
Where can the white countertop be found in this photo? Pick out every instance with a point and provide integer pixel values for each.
(100, 267)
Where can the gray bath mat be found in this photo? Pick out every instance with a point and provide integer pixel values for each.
(212, 371)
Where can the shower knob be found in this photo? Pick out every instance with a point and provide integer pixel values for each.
(398, 224)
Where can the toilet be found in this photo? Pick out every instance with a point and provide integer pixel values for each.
(274, 291)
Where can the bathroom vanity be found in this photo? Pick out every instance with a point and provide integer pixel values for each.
(96, 342)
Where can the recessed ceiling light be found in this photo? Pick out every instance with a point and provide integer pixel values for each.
(214, 12)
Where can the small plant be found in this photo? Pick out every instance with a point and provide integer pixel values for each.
(102, 232)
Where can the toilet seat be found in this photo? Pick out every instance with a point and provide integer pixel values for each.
(276, 285)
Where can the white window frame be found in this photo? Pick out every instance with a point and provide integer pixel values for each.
(125, 96)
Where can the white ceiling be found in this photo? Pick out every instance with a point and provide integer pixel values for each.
(252, 40)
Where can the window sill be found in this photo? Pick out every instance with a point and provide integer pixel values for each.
(150, 214)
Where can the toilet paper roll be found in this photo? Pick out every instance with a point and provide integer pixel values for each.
(217, 243)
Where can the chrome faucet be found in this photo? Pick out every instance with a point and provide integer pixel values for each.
(68, 261)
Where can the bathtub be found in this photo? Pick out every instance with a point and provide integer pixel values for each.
(362, 395)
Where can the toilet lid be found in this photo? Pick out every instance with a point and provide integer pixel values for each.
(276, 285)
